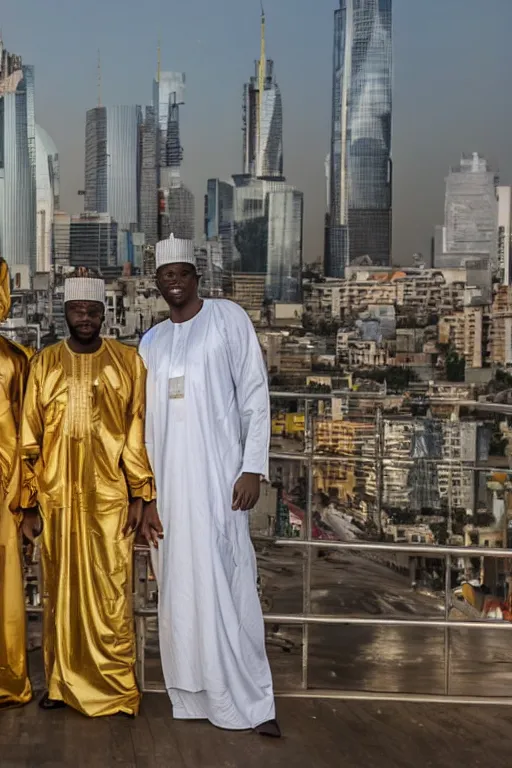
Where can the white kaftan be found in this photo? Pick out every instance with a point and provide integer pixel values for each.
(208, 420)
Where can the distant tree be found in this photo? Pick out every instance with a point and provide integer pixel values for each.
(440, 532)
(455, 366)
(498, 444)
(397, 378)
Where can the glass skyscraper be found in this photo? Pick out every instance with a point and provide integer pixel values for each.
(96, 160)
(176, 210)
(219, 218)
(359, 217)
(17, 161)
(263, 158)
(268, 225)
(113, 163)
(168, 96)
(112, 166)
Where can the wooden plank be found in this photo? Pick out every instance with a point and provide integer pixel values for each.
(325, 734)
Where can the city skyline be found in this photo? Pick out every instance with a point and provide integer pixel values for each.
(434, 96)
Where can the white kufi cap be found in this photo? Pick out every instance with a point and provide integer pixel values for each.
(84, 289)
(175, 251)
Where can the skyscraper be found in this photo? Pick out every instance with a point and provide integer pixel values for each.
(47, 196)
(359, 218)
(149, 179)
(263, 120)
(219, 218)
(175, 200)
(505, 234)
(112, 166)
(263, 153)
(112, 163)
(17, 161)
(470, 228)
(258, 219)
(268, 224)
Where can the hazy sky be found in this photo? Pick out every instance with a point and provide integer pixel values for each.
(452, 89)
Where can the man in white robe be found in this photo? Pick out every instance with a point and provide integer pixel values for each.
(207, 434)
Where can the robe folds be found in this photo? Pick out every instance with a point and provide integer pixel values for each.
(83, 456)
(14, 683)
(207, 422)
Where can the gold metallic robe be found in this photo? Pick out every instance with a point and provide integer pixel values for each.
(83, 455)
(14, 683)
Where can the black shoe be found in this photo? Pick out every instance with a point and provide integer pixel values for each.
(270, 728)
(47, 703)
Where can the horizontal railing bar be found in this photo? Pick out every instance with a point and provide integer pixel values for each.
(416, 698)
(340, 695)
(483, 406)
(301, 619)
(436, 552)
(336, 458)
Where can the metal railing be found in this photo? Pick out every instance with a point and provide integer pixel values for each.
(307, 618)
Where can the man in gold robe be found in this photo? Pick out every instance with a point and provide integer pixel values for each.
(86, 473)
(14, 360)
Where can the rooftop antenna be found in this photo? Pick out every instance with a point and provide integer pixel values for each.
(261, 86)
(99, 78)
(158, 62)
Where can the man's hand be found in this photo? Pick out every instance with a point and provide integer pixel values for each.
(151, 528)
(32, 524)
(134, 517)
(246, 491)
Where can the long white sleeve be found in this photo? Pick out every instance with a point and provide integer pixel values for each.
(251, 383)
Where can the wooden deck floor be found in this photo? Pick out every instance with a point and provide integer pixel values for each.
(316, 733)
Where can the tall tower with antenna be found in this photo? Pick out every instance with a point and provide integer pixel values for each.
(99, 78)
(263, 118)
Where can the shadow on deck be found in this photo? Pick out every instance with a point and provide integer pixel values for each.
(316, 733)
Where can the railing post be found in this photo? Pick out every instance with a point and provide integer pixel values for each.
(447, 609)
(306, 583)
(379, 464)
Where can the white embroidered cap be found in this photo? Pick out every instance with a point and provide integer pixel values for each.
(175, 251)
(84, 289)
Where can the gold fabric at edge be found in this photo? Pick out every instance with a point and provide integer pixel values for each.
(14, 683)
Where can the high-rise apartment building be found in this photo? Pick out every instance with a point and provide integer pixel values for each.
(176, 212)
(17, 161)
(470, 230)
(61, 232)
(149, 178)
(359, 216)
(504, 195)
